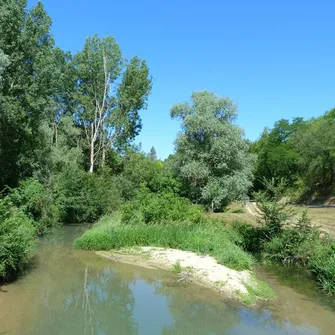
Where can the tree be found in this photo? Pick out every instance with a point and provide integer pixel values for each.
(277, 156)
(107, 112)
(152, 154)
(141, 170)
(315, 143)
(26, 91)
(212, 155)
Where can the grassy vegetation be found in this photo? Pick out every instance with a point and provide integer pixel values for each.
(235, 212)
(206, 238)
(257, 290)
(177, 268)
(322, 264)
(323, 217)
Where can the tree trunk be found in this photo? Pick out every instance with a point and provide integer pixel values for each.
(103, 158)
(92, 157)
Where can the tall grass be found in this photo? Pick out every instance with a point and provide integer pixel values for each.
(322, 264)
(205, 238)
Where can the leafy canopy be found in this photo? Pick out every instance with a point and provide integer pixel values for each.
(211, 155)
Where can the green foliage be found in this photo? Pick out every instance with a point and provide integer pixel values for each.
(206, 238)
(141, 170)
(84, 197)
(33, 199)
(4, 62)
(56, 109)
(17, 236)
(162, 207)
(212, 158)
(322, 264)
(30, 83)
(251, 238)
(280, 237)
(276, 153)
(302, 152)
(109, 94)
(132, 96)
(273, 213)
(315, 143)
(306, 249)
(292, 246)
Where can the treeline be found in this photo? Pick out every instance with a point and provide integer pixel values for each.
(59, 109)
(302, 154)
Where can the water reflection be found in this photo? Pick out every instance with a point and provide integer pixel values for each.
(75, 292)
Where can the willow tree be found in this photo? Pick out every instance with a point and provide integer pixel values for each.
(110, 93)
(211, 154)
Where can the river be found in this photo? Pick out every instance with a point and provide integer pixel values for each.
(70, 292)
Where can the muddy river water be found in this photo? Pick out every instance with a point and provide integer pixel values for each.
(70, 292)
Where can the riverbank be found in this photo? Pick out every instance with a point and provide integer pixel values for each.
(206, 252)
(199, 269)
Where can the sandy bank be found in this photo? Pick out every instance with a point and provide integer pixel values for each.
(191, 267)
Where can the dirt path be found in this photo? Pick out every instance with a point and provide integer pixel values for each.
(252, 208)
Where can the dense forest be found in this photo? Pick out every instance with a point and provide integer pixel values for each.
(67, 128)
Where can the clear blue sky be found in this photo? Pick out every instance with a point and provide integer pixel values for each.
(275, 59)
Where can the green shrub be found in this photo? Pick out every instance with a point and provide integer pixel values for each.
(141, 170)
(296, 244)
(84, 197)
(290, 247)
(274, 214)
(131, 213)
(17, 236)
(160, 207)
(250, 237)
(33, 199)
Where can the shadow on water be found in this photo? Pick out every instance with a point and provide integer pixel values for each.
(76, 292)
(299, 280)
